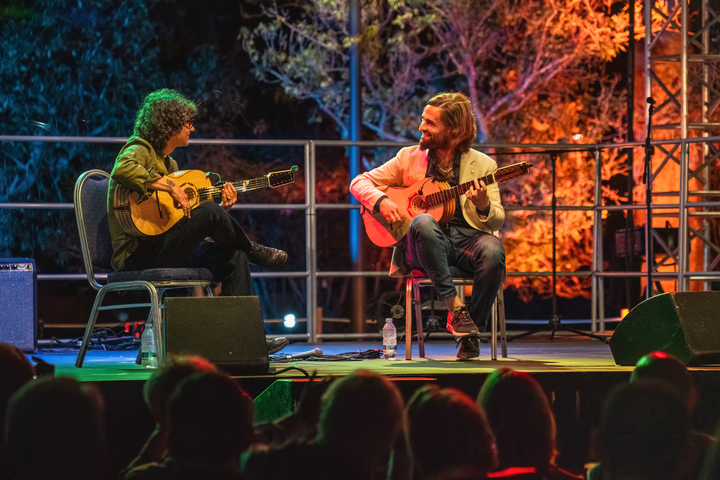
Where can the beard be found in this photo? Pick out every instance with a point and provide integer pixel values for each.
(435, 142)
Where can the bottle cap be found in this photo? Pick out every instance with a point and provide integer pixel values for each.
(388, 320)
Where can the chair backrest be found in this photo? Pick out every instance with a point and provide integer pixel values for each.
(91, 214)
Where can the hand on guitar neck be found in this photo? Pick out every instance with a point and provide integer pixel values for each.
(478, 195)
(229, 196)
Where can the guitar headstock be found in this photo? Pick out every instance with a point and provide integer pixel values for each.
(512, 171)
(276, 179)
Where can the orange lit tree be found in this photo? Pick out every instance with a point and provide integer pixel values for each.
(534, 71)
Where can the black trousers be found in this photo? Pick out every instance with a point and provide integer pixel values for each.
(185, 245)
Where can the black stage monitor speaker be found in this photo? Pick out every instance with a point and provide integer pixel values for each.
(684, 324)
(18, 303)
(228, 331)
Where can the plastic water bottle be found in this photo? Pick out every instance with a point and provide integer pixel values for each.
(389, 340)
(148, 348)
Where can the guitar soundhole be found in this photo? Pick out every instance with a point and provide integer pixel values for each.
(191, 194)
(417, 205)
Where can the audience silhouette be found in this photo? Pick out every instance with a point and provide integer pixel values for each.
(354, 427)
(209, 424)
(300, 425)
(711, 467)
(661, 367)
(15, 371)
(524, 426)
(361, 420)
(156, 392)
(55, 429)
(643, 429)
(448, 436)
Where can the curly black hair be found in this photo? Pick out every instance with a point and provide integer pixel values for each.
(162, 114)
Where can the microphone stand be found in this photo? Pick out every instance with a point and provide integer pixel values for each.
(555, 323)
(647, 180)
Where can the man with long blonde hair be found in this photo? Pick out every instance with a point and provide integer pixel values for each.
(466, 241)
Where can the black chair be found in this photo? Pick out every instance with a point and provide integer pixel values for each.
(91, 192)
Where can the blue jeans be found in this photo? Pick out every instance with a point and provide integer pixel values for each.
(184, 245)
(476, 253)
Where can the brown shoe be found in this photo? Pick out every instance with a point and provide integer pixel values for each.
(460, 323)
(266, 257)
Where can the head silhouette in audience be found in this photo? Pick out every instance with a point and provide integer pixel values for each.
(711, 468)
(361, 417)
(161, 385)
(156, 392)
(659, 366)
(209, 421)
(55, 429)
(15, 371)
(448, 435)
(360, 421)
(665, 368)
(643, 429)
(521, 418)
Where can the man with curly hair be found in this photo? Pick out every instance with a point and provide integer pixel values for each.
(466, 241)
(163, 123)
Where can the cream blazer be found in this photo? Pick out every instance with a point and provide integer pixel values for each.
(409, 166)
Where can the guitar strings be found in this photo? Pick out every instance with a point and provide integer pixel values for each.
(502, 174)
(279, 178)
(444, 195)
(208, 192)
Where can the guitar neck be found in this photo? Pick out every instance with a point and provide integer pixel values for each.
(241, 186)
(253, 184)
(443, 196)
(500, 175)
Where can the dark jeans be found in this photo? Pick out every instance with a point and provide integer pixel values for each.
(480, 254)
(184, 246)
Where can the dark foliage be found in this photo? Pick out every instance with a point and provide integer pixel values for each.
(82, 68)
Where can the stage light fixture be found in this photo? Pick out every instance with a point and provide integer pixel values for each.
(289, 320)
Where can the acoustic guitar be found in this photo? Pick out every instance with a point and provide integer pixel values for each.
(428, 195)
(159, 212)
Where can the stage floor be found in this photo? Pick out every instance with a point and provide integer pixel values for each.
(534, 354)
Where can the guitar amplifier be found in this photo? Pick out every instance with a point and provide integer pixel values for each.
(18, 303)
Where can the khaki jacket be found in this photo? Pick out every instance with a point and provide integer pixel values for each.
(135, 166)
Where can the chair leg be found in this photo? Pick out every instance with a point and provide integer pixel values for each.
(501, 319)
(155, 312)
(158, 321)
(418, 319)
(408, 319)
(89, 328)
(493, 330)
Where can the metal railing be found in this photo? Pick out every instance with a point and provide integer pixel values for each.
(311, 207)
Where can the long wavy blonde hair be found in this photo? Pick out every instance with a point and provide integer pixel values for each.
(457, 114)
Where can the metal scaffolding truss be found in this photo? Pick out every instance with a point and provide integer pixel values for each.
(686, 104)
